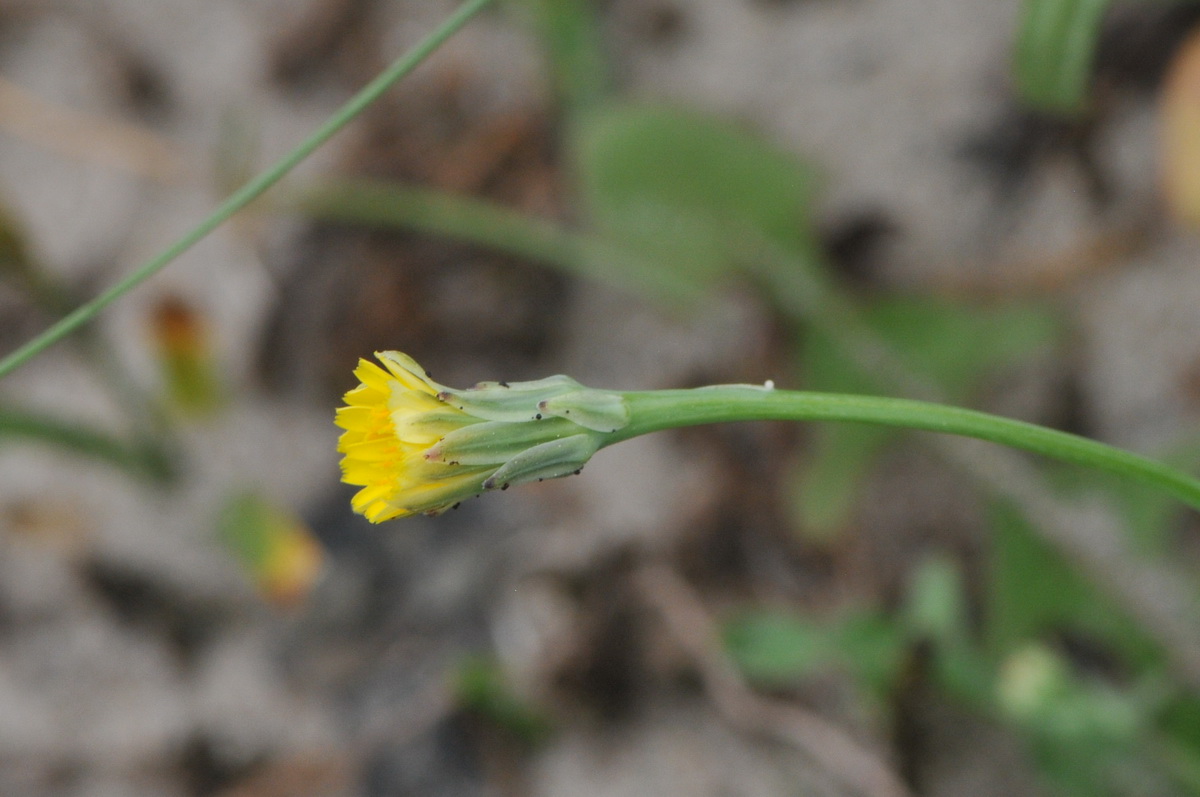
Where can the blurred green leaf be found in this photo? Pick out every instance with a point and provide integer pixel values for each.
(693, 193)
(19, 266)
(1056, 45)
(873, 647)
(679, 200)
(825, 485)
(956, 345)
(775, 648)
(1089, 737)
(1180, 725)
(935, 614)
(142, 459)
(1181, 719)
(1035, 593)
(480, 685)
(936, 607)
(274, 545)
(1038, 688)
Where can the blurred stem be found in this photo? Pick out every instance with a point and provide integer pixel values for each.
(570, 36)
(1056, 45)
(668, 409)
(142, 461)
(795, 284)
(54, 296)
(249, 192)
(489, 224)
(150, 424)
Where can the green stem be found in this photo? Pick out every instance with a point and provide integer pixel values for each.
(249, 192)
(144, 461)
(667, 409)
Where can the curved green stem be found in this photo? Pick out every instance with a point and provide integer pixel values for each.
(667, 409)
(486, 223)
(249, 192)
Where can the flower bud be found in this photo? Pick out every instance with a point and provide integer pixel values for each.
(416, 446)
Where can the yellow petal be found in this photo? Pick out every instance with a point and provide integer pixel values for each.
(407, 372)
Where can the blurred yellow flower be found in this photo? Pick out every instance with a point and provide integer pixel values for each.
(280, 551)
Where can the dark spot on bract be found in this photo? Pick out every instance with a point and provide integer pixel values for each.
(504, 487)
(503, 384)
(537, 417)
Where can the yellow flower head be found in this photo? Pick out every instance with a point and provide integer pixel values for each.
(391, 419)
(413, 445)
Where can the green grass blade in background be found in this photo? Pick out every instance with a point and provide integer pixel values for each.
(1055, 48)
(144, 462)
(486, 223)
(570, 35)
(1035, 593)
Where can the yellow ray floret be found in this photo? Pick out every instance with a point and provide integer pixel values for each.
(390, 420)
